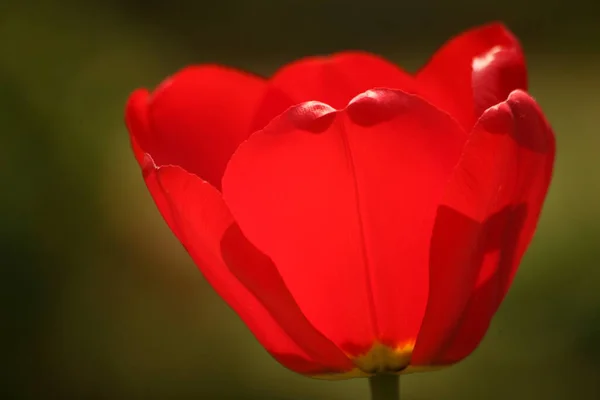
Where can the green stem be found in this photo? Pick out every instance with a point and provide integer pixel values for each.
(385, 387)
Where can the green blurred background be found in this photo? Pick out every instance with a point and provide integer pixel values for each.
(99, 300)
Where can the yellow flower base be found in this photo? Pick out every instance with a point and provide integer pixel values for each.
(381, 359)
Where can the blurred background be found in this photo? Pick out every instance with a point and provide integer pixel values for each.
(100, 301)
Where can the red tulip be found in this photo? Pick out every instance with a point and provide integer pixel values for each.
(358, 218)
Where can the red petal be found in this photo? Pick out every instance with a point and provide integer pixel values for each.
(474, 71)
(457, 243)
(200, 115)
(136, 119)
(344, 203)
(333, 80)
(511, 225)
(495, 75)
(244, 277)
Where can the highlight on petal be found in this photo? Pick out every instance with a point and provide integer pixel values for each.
(344, 203)
(244, 277)
(197, 118)
(333, 80)
(507, 229)
(474, 71)
(495, 75)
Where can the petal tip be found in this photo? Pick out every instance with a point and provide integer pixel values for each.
(311, 116)
(532, 130)
(517, 96)
(494, 29)
(148, 165)
(377, 105)
(497, 119)
(138, 94)
(135, 103)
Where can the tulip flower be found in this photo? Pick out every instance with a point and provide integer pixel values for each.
(361, 220)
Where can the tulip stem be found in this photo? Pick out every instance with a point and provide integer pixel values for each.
(385, 387)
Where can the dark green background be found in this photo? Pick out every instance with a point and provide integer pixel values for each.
(99, 301)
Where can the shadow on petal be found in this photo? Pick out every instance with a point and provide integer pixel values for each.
(470, 269)
(260, 276)
(501, 238)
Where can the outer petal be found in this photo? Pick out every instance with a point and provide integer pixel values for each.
(458, 241)
(244, 277)
(334, 80)
(197, 118)
(344, 203)
(510, 228)
(474, 71)
(136, 119)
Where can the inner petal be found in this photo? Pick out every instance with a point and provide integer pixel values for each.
(344, 204)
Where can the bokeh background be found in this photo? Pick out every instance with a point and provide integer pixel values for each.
(99, 300)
